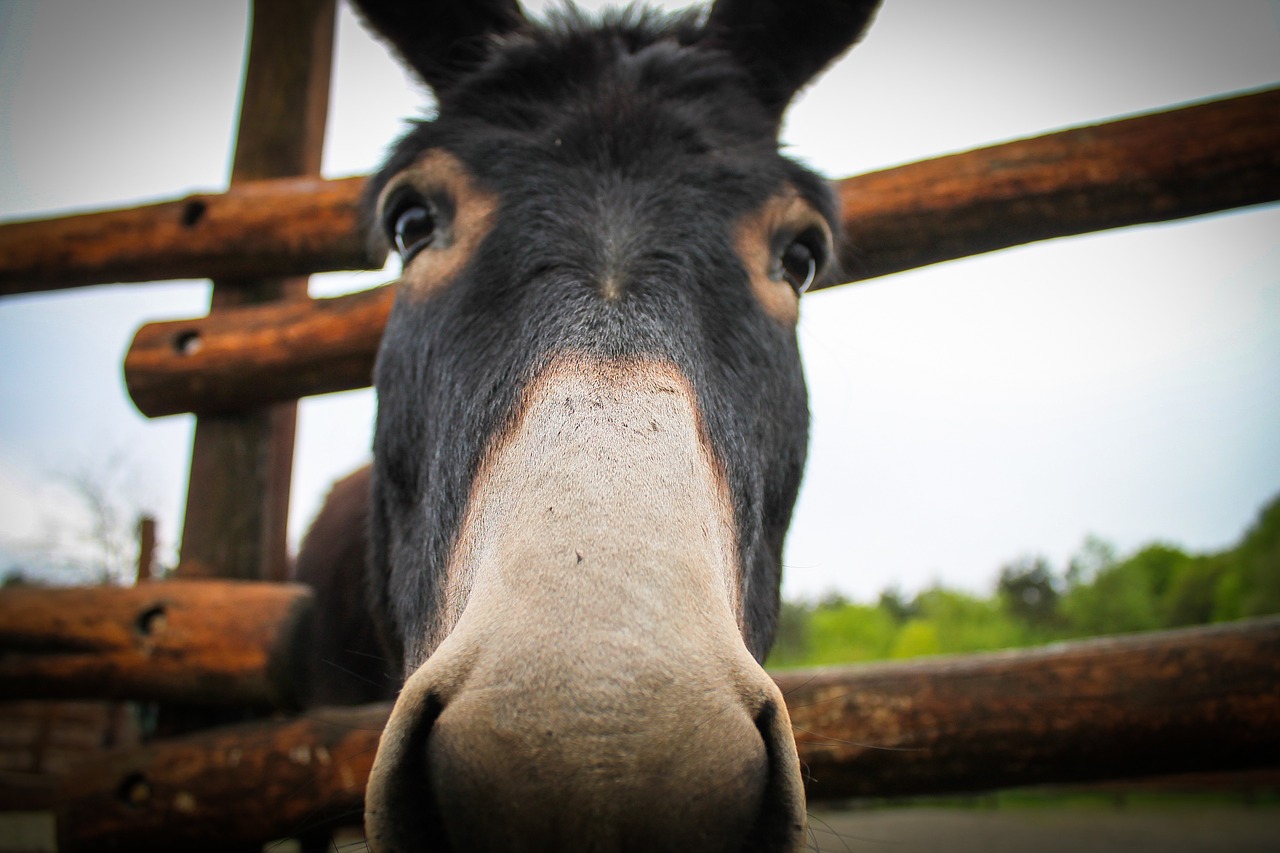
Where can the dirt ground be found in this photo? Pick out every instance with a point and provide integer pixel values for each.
(1158, 829)
(1141, 829)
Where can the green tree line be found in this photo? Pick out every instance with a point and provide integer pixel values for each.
(1097, 592)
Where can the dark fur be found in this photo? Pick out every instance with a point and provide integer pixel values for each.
(353, 667)
(626, 150)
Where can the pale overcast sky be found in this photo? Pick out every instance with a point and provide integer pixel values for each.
(1125, 384)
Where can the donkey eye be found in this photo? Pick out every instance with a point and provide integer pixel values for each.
(801, 262)
(413, 227)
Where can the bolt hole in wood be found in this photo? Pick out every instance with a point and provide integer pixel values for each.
(188, 342)
(151, 621)
(192, 213)
(134, 791)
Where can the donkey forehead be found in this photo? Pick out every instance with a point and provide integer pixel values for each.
(632, 100)
(607, 162)
(546, 77)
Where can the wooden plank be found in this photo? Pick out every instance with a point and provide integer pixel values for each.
(1182, 163)
(223, 643)
(25, 792)
(228, 789)
(1190, 700)
(146, 549)
(255, 356)
(282, 227)
(241, 465)
(1154, 168)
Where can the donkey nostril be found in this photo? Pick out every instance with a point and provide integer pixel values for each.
(401, 811)
(782, 814)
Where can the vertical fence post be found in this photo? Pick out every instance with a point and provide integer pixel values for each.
(146, 549)
(241, 465)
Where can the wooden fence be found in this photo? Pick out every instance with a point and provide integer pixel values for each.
(1202, 699)
(1169, 702)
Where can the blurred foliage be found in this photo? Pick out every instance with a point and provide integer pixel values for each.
(1097, 592)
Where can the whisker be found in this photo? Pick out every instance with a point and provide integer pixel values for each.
(800, 686)
(845, 837)
(369, 655)
(829, 830)
(822, 701)
(366, 679)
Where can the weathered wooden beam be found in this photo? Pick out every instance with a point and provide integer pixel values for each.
(146, 549)
(1191, 700)
(281, 227)
(222, 643)
(247, 357)
(1145, 704)
(227, 789)
(26, 792)
(1153, 168)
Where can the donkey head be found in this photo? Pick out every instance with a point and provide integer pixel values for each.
(592, 424)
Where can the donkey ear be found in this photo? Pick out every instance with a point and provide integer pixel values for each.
(784, 45)
(441, 40)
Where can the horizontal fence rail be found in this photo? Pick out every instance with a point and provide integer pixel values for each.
(232, 788)
(1152, 168)
(281, 227)
(1170, 165)
(220, 643)
(1194, 699)
(242, 358)
(1188, 700)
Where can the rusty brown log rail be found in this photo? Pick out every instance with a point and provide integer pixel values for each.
(240, 358)
(231, 788)
(279, 227)
(1179, 701)
(1190, 700)
(1152, 168)
(219, 643)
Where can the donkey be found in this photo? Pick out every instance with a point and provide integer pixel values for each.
(591, 426)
